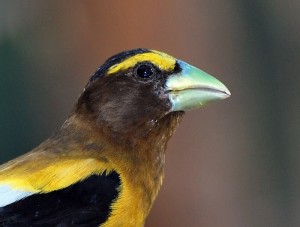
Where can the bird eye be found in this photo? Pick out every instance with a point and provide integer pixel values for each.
(144, 70)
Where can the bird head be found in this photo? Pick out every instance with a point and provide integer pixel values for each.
(139, 90)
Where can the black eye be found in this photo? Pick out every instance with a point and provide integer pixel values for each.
(144, 70)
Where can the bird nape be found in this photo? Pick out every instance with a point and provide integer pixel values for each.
(105, 165)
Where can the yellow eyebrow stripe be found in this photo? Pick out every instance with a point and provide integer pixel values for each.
(161, 60)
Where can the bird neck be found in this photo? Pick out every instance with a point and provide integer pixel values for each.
(146, 143)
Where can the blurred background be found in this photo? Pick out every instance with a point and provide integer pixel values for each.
(233, 163)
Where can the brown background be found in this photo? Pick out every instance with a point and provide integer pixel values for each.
(232, 163)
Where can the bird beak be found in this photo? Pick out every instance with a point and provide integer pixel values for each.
(192, 88)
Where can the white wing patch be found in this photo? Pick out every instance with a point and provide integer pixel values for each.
(9, 195)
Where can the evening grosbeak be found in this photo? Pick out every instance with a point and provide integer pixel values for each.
(105, 165)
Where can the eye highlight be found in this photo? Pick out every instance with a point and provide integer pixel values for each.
(144, 70)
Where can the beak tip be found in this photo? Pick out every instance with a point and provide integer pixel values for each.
(228, 93)
(223, 89)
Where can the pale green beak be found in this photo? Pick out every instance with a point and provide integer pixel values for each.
(193, 88)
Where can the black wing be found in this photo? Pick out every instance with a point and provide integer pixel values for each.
(85, 203)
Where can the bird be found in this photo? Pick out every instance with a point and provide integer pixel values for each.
(105, 165)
